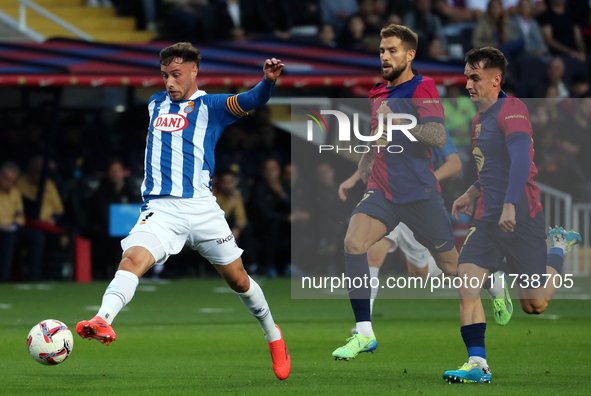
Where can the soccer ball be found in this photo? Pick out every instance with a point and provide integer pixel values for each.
(50, 342)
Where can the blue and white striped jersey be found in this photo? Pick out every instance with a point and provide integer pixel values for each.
(179, 158)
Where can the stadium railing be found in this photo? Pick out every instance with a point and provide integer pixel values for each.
(582, 214)
(560, 210)
(22, 23)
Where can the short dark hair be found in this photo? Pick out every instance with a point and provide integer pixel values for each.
(185, 51)
(407, 36)
(490, 57)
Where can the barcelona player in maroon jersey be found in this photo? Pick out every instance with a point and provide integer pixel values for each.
(401, 186)
(508, 218)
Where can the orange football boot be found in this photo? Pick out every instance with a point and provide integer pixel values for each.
(280, 357)
(96, 329)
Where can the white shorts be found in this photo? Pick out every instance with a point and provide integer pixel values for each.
(198, 222)
(402, 237)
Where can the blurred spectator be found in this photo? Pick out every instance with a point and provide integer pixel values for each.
(576, 136)
(492, 29)
(305, 12)
(454, 11)
(555, 77)
(337, 13)
(11, 221)
(230, 200)
(426, 25)
(51, 207)
(326, 36)
(524, 27)
(271, 17)
(552, 164)
(398, 7)
(74, 148)
(510, 89)
(561, 33)
(265, 140)
(329, 219)
(302, 234)
(32, 130)
(11, 147)
(115, 188)
(354, 35)
(230, 20)
(270, 208)
(373, 13)
(393, 19)
(232, 151)
(459, 113)
(437, 51)
(579, 86)
(184, 19)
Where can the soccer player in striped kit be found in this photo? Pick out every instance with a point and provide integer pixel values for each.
(179, 207)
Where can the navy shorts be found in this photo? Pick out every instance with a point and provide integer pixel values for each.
(427, 218)
(525, 248)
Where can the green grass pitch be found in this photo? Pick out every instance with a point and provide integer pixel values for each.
(192, 337)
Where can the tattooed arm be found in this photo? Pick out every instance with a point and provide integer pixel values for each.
(365, 165)
(430, 133)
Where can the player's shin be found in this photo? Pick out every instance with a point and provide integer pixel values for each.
(118, 294)
(254, 300)
(357, 273)
(473, 336)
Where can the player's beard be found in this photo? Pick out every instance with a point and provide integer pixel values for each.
(394, 73)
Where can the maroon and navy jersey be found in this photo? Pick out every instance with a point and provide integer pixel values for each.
(491, 130)
(407, 176)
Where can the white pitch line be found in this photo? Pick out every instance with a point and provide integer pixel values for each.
(216, 310)
(222, 290)
(147, 288)
(40, 286)
(97, 307)
(549, 317)
(5, 306)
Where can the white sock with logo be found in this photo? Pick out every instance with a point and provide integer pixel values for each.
(364, 328)
(481, 362)
(255, 301)
(118, 294)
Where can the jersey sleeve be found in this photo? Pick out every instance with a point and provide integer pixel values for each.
(513, 118)
(224, 110)
(426, 101)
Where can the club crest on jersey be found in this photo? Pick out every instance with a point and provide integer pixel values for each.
(190, 107)
(477, 130)
(170, 122)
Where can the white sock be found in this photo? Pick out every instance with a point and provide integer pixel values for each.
(255, 301)
(373, 272)
(497, 287)
(481, 362)
(157, 269)
(118, 294)
(364, 328)
(434, 270)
